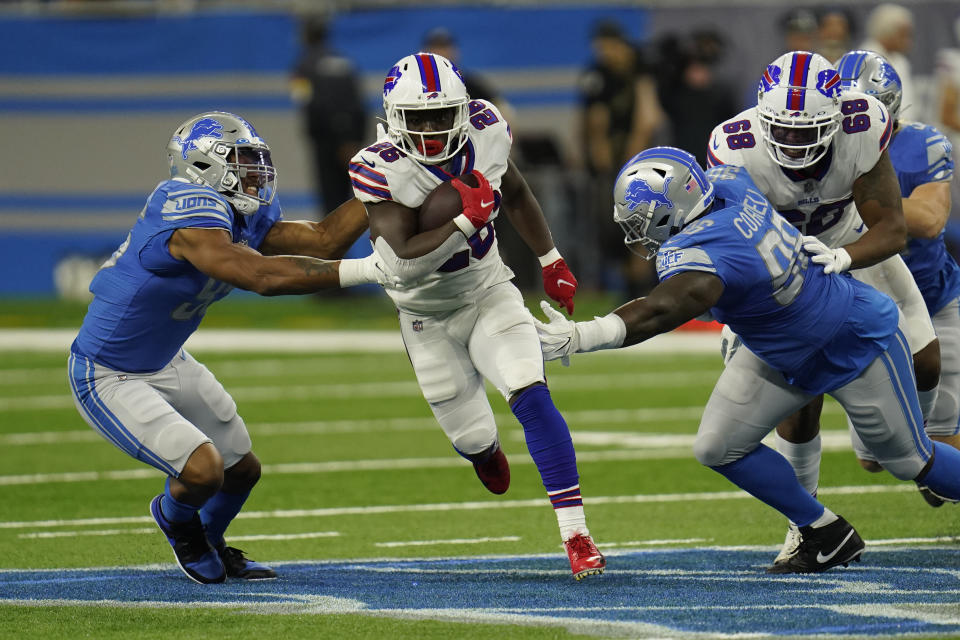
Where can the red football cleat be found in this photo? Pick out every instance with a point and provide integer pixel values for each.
(494, 472)
(585, 558)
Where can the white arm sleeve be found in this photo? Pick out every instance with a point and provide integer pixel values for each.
(409, 270)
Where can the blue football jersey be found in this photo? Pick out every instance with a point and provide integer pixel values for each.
(920, 154)
(147, 303)
(819, 330)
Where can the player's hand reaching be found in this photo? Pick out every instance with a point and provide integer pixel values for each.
(559, 283)
(833, 260)
(477, 201)
(558, 337)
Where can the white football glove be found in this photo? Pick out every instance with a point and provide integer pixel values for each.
(833, 260)
(559, 337)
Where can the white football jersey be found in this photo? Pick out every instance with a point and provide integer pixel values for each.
(821, 205)
(383, 172)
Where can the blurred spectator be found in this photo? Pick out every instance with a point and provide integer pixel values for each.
(326, 86)
(948, 118)
(799, 29)
(834, 32)
(890, 33)
(620, 113)
(441, 41)
(694, 99)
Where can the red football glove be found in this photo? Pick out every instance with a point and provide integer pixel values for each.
(560, 284)
(477, 201)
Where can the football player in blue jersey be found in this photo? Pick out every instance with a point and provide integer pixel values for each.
(722, 249)
(214, 225)
(921, 157)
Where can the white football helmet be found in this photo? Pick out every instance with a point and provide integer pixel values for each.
(798, 104)
(427, 107)
(870, 73)
(223, 151)
(657, 193)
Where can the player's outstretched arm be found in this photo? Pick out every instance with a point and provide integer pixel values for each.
(877, 196)
(330, 238)
(927, 209)
(673, 302)
(214, 253)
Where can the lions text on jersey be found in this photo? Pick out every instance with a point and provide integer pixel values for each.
(770, 287)
(147, 303)
(822, 204)
(383, 172)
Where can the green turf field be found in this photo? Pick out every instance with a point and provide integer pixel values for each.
(356, 468)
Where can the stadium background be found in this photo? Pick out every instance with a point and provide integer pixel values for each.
(90, 92)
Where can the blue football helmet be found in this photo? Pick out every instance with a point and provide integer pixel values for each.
(657, 193)
(870, 73)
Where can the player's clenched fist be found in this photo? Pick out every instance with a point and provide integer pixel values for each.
(477, 202)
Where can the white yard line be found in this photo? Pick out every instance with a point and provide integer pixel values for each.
(429, 543)
(478, 505)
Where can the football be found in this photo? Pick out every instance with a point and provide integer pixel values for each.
(443, 204)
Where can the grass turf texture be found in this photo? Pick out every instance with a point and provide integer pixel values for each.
(366, 439)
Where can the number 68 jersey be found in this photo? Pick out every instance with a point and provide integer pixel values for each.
(820, 204)
(382, 172)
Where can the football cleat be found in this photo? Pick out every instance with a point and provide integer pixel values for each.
(191, 549)
(790, 544)
(585, 558)
(823, 548)
(932, 499)
(240, 566)
(494, 471)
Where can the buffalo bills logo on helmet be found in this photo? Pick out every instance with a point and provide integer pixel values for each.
(771, 77)
(828, 83)
(391, 80)
(203, 128)
(638, 192)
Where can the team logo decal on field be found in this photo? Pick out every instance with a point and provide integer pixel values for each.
(682, 593)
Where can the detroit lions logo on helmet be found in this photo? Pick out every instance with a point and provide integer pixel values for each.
(828, 83)
(638, 192)
(391, 80)
(888, 76)
(771, 77)
(204, 128)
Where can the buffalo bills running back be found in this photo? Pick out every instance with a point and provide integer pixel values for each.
(461, 318)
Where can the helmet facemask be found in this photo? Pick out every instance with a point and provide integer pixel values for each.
(798, 105)
(427, 108)
(657, 193)
(224, 152)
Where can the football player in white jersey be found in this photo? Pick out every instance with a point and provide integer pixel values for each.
(461, 318)
(821, 159)
(214, 225)
(921, 157)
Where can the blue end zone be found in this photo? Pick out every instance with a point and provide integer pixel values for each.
(674, 593)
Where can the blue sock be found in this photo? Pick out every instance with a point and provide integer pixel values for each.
(548, 438)
(943, 476)
(219, 512)
(174, 510)
(767, 476)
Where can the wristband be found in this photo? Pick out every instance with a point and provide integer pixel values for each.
(550, 257)
(463, 222)
(607, 332)
(354, 271)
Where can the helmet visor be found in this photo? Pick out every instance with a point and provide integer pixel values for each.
(255, 170)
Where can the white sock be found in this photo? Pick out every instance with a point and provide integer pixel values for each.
(572, 521)
(827, 517)
(805, 460)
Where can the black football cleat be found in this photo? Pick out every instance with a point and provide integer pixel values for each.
(196, 558)
(240, 566)
(822, 548)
